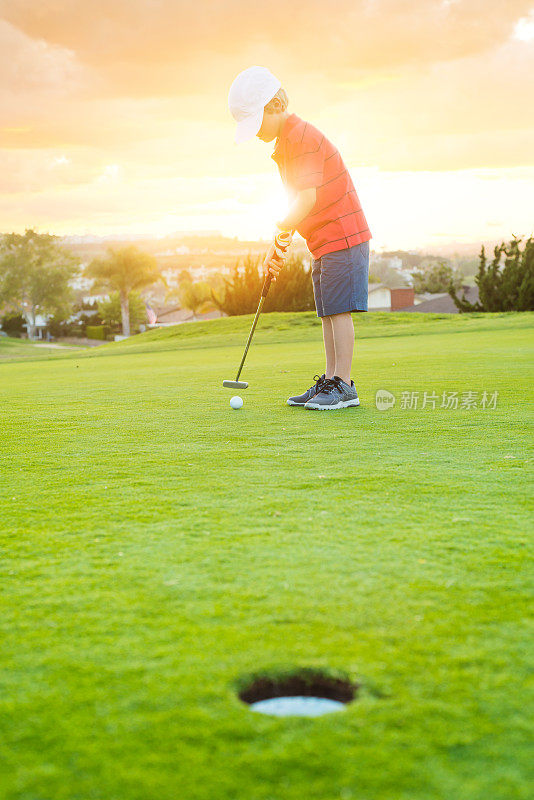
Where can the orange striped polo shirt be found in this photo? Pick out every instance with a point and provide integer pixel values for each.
(306, 158)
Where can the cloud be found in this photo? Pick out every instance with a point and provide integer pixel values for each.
(173, 46)
(524, 28)
(34, 66)
(454, 114)
(111, 174)
(100, 100)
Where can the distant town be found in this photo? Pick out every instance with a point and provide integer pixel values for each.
(399, 280)
(205, 253)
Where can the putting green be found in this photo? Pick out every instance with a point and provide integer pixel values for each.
(158, 547)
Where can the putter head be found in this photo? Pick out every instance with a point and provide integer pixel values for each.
(235, 384)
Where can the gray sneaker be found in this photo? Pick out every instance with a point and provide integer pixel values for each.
(301, 399)
(335, 393)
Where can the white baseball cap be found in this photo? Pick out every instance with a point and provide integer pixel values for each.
(249, 94)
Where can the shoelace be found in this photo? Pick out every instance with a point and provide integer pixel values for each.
(329, 384)
(318, 382)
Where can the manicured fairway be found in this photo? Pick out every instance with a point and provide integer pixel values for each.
(158, 546)
(14, 349)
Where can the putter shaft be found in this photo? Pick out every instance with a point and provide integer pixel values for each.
(260, 304)
(282, 242)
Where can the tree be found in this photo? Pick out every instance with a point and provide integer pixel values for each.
(34, 276)
(436, 277)
(383, 273)
(508, 287)
(185, 276)
(110, 311)
(195, 296)
(124, 270)
(242, 289)
(292, 291)
(216, 281)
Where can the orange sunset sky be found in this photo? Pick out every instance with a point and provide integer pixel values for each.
(114, 114)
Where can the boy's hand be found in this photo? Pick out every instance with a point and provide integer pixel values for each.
(273, 267)
(276, 255)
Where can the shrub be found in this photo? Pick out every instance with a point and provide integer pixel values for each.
(97, 331)
(292, 291)
(508, 287)
(58, 326)
(13, 324)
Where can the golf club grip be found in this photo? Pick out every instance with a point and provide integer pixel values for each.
(283, 238)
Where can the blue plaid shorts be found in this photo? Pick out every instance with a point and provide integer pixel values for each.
(340, 280)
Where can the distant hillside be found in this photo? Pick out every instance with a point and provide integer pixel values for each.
(211, 251)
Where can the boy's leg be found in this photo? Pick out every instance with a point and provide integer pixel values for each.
(329, 348)
(343, 335)
(337, 395)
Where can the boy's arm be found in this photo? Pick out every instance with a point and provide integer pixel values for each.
(301, 207)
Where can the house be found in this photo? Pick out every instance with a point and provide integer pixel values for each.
(402, 297)
(443, 303)
(382, 298)
(379, 297)
(41, 327)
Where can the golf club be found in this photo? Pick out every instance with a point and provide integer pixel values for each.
(279, 246)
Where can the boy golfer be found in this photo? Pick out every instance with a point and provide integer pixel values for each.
(326, 212)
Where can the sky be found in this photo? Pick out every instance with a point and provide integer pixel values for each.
(114, 114)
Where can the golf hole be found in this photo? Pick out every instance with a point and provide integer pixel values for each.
(302, 694)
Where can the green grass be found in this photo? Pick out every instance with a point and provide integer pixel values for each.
(159, 547)
(12, 349)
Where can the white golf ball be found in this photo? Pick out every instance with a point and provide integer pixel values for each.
(236, 402)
